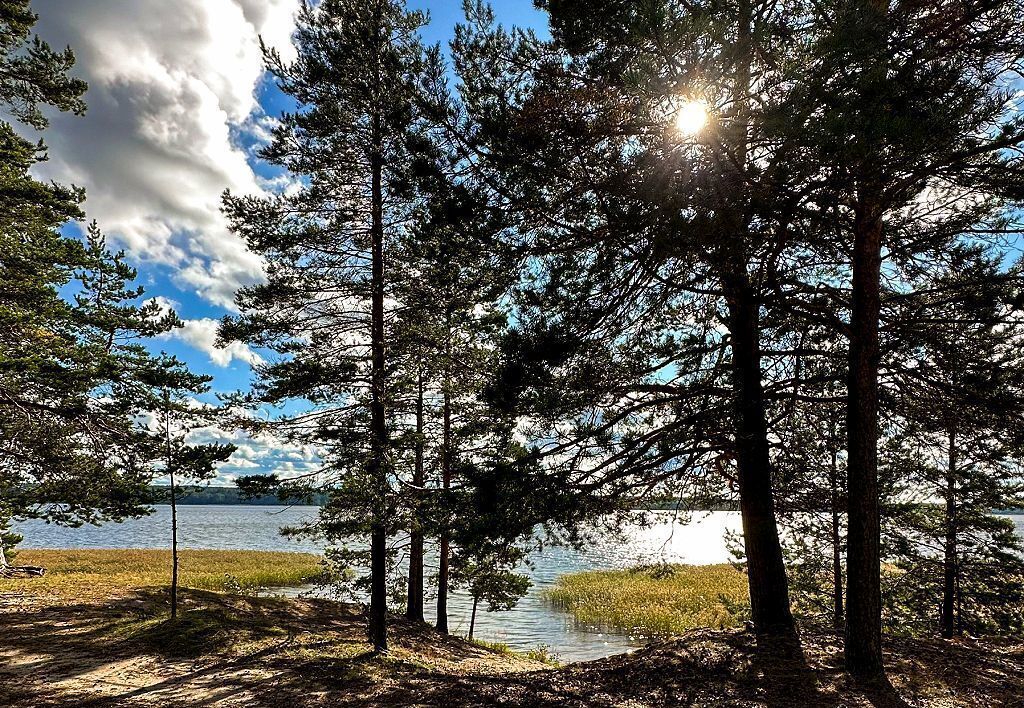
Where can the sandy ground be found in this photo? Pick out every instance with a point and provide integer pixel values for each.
(230, 650)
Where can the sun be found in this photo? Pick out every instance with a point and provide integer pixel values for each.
(691, 117)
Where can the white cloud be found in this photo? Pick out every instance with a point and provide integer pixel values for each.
(260, 454)
(171, 85)
(202, 335)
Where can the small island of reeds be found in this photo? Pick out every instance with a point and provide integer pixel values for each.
(655, 600)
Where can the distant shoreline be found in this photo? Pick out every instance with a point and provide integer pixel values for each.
(232, 496)
(224, 496)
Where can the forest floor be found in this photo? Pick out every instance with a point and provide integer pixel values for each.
(76, 649)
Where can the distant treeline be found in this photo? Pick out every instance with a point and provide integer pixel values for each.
(690, 505)
(233, 495)
(191, 494)
(225, 495)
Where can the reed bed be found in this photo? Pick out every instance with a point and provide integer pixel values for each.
(655, 601)
(88, 572)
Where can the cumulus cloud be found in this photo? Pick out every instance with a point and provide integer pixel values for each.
(260, 454)
(172, 86)
(201, 334)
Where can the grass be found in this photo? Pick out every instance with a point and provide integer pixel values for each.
(542, 653)
(99, 572)
(655, 601)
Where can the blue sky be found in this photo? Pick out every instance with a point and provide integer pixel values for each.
(179, 244)
(178, 101)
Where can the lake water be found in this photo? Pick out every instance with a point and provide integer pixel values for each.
(533, 622)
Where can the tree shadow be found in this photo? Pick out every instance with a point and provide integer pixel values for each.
(269, 652)
(882, 694)
(780, 664)
(45, 647)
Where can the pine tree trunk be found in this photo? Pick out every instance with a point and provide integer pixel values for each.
(446, 483)
(863, 592)
(174, 504)
(472, 616)
(766, 572)
(959, 604)
(442, 585)
(378, 429)
(949, 558)
(174, 549)
(414, 607)
(837, 557)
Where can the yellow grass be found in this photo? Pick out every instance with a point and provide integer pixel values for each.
(659, 601)
(91, 572)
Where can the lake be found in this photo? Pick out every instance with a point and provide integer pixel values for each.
(532, 623)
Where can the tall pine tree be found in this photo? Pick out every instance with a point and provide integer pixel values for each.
(647, 239)
(904, 115)
(328, 246)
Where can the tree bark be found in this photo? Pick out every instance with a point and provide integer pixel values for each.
(949, 561)
(378, 425)
(414, 607)
(863, 592)
(446, 483)
(766, 572)
(174, 549)
(472, 616)
(837, 556)
(174, 505)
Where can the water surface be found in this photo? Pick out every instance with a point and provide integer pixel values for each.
(698, 539)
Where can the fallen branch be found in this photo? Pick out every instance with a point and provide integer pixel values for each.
(22, 571)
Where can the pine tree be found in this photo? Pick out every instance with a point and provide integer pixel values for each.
(495, 509)
(451, 315)
(329, 251)
(810, 461)
(131, 385)
(70, 327)
(647, 239)
(35, 259)
(487, 572)
(902, 112)
(176, 417)
(32, 74)
(74, 453)
(962, 398)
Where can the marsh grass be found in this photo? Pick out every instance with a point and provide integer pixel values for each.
(541, 654)
(655, 601)
(99, 572)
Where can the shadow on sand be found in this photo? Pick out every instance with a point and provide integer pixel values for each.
(240, 651)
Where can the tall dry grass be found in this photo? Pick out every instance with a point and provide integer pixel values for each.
(655, 601)
(93, 572)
